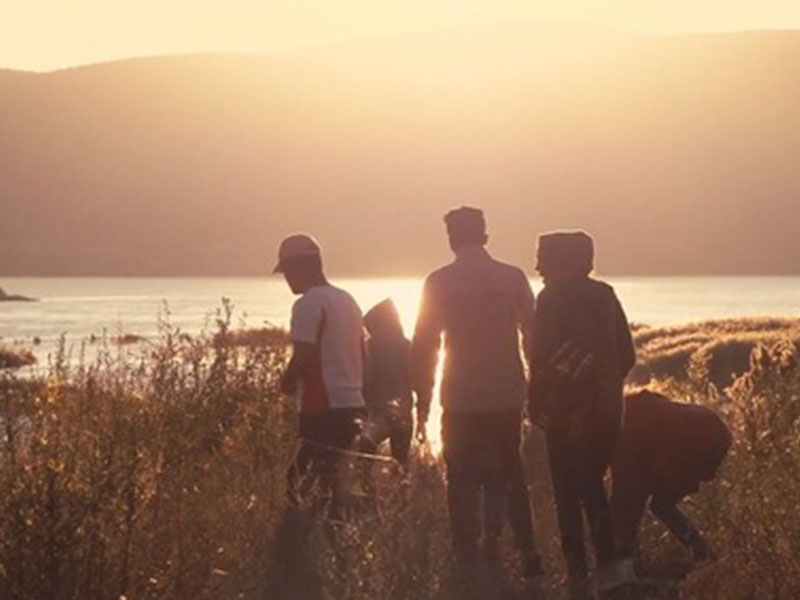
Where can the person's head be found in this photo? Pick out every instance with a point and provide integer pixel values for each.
(383, 319)
(565, 255)
(466, 226)
(300, 261)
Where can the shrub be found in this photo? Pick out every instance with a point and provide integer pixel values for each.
(749, 511)
(667, 352)
(14, 359)
(159, 474)
(145, 479)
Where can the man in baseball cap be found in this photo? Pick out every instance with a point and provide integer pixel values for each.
(325, 371)
(294, 247)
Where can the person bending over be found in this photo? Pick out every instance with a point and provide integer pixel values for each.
(665, 451)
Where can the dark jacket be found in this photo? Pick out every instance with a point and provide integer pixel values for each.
(667, 448)
(585, 313)
(387, 371)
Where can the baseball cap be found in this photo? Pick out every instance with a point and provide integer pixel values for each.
(295, 246)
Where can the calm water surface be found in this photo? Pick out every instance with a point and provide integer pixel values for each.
(78, 307)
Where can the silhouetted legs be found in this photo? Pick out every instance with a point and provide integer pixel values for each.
(577, 467)
(628, 513)
(400, 442)
(483, 462)
(317, 461)
(666, 510)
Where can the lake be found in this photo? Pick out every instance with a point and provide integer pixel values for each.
(79, 307)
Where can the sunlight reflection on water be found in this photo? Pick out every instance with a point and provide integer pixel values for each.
(80, 307)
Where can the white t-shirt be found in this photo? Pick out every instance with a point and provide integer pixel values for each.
(330, 319)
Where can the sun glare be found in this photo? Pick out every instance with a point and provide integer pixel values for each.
(406, 294)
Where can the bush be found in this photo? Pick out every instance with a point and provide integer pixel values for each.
(156, 478)
(163, 477)
(667, 352)
(749, 511)
(15, 359)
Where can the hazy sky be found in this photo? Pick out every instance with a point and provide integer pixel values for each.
(50, 34)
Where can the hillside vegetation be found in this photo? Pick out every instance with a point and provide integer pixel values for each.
(14, 358)
(724, 347)
(163, 478)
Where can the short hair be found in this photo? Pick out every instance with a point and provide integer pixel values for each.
(466, 225)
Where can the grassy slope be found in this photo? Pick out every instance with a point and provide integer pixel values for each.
(726, 345)
(165, 479)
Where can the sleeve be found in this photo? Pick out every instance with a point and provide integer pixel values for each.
(625, 347)
(544, 331)
(427, 338)
(543, 339)
(369, 372)
(306, 320)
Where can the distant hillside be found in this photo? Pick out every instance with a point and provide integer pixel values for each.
(679, 153)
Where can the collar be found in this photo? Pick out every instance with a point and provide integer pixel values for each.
(471, 254)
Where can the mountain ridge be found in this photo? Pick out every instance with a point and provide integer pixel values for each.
(677, 152)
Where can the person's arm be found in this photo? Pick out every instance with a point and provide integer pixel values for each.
(303, 355)
(369, 387)
(526, 308)
(424, 354)
(543, 339)
(545, 331)
(625, 347)
(306, 327)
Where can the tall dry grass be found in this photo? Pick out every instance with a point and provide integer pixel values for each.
(668, 351)
(13, 358)
(162, 477)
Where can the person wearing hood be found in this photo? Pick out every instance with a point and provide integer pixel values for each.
(387, 383)
(581, 352)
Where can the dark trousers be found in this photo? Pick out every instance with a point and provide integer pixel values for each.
(316, 461)
(482, 454)
(628, 513)
(400, 443)
(577, 466)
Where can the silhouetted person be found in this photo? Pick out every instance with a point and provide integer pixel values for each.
(665, 451)
(387, 383)
(325, 371)
(581, 352)
(480, 306)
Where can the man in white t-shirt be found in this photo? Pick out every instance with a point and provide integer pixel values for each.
(325, 371)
